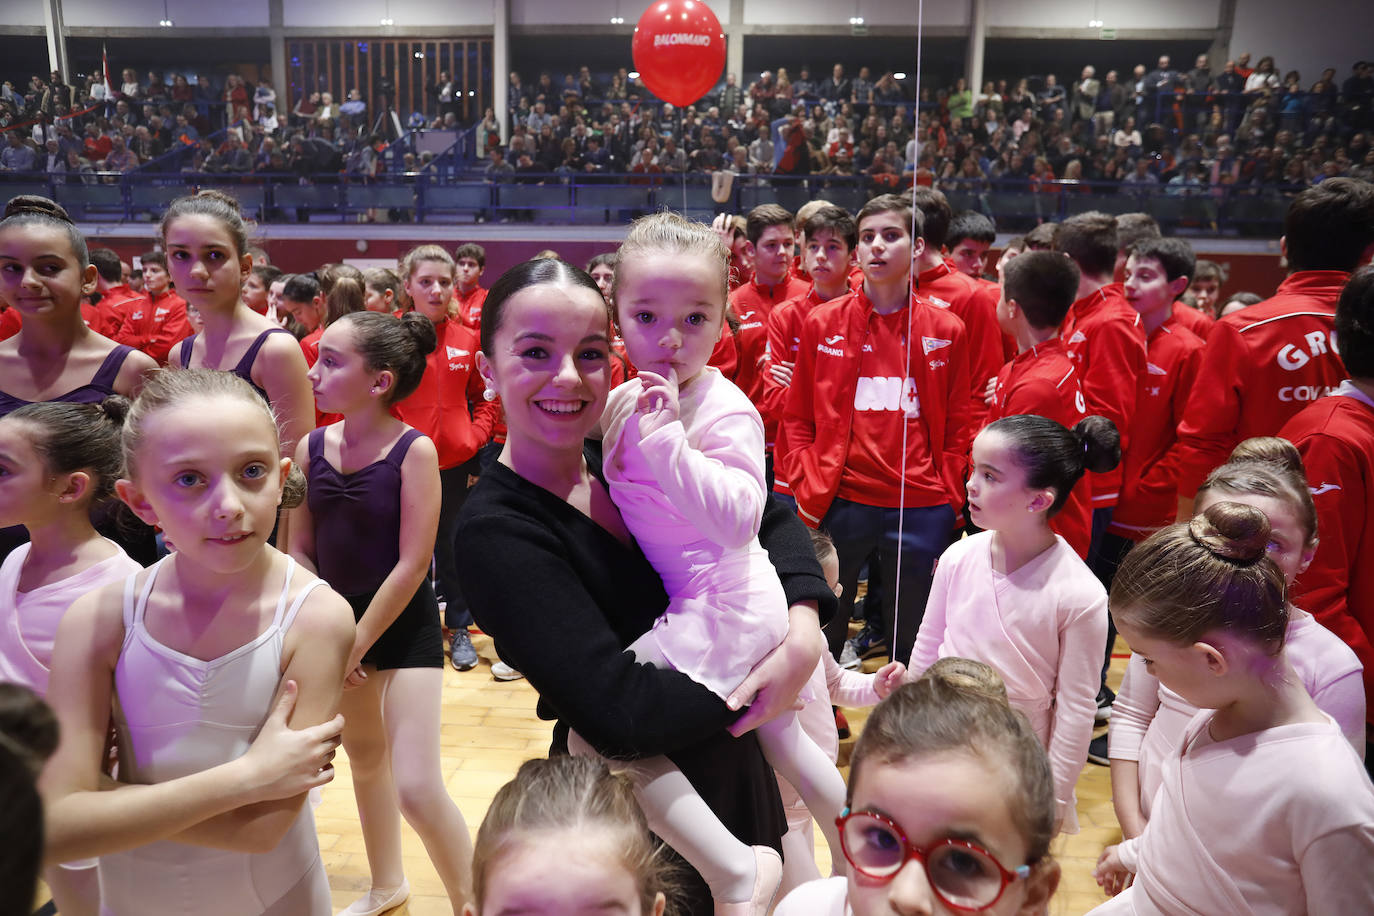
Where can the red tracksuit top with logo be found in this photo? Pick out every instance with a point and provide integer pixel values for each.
(827, 391)
(740, 356)
(1043, 381)
(1106, 342)
(1261, 366)
(440, 409)
(153, 324)
(1336, 439)
(784, 336)
(470, 306)
(1149, 485)
(961, 294)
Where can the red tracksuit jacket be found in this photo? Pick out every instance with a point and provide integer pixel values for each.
(1044, 382)
(448, 406)
(965, 297)
(820, 403)
(784, 336)
(1193, 320)
(1336, 439)
(470, 306)
(1260, 367)
(1149, 486)
(1106, 342)
(153, 325)
(740, 356)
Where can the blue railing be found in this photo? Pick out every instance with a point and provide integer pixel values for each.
(583, 198)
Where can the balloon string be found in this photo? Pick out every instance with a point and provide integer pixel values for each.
(910, 321)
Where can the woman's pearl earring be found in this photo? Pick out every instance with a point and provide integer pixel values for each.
(489, 394)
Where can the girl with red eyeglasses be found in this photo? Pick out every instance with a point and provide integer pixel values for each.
(950, 808)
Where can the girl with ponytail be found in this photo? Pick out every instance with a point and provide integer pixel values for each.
(368, 527)
(1017, 597)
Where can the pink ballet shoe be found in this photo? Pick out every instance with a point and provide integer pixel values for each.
(767, 879)
(378, 901)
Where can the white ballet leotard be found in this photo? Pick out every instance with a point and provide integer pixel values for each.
(176, 715)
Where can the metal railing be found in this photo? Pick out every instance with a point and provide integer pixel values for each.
(598, 198)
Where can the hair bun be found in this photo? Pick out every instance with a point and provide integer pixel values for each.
(115, 408)
(422, 330)
(1101, 443)
(32, 203)
(1232, 531)
(216, 194)
(1270, 450)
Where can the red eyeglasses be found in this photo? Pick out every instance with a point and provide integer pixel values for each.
(963, 875)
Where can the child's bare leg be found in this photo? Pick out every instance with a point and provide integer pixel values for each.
(811, 772)
(685, 822)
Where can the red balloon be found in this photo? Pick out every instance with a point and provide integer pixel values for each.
(679, 50)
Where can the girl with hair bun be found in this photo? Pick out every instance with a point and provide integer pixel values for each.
(1149, 719)
(368, 527)
(1017, 597)
(206, 240)
(44, 272)
(1205, 607)
(58, 462)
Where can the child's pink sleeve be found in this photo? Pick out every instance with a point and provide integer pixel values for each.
(851, 689)
(1134, 709)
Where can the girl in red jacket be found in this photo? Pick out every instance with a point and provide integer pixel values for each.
(449, 408)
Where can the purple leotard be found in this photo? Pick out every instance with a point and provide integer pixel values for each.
(96, 390)
(357, 517)
(244, 369)
(357, 520)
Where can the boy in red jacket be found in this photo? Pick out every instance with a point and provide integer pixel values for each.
(970, 236)
(973, 302)
(1158, 270)
(106, 315)
(1037, 289)
(877, 424)
(830, 235)
(156, 319)
(1336, 439)
(1264, 363)
(468, 292)
(1106, 342)
(740, 354)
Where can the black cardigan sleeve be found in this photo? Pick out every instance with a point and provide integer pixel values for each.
(528, 595)
(788, 543)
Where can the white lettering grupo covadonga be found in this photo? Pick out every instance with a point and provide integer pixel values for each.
(681, 38)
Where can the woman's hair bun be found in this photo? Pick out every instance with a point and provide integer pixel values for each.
(39, 206)
(1270, 450)
(1101, 443)
(422, 330)
(1233, 531)
(115, 408)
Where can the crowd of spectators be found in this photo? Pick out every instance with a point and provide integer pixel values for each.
(1189, 131)
(222, 124)
(1186, 132)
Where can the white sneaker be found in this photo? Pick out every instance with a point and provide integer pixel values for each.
(503, 672)
(849, 659)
